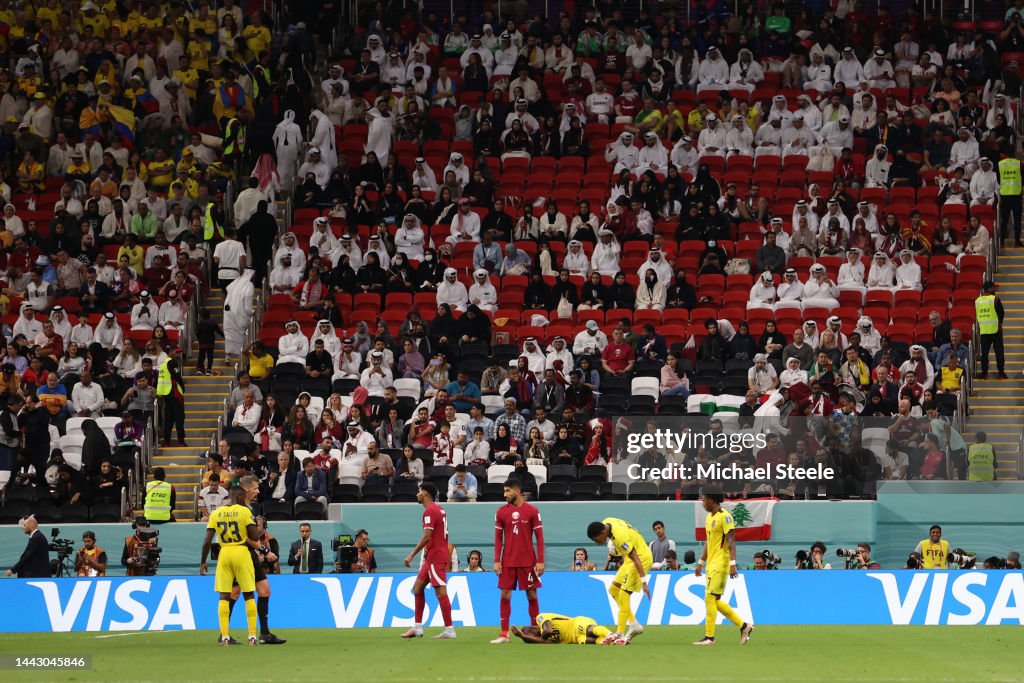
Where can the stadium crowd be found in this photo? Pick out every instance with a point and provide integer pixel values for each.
(507, 231)
(512, 224)
(121, 122)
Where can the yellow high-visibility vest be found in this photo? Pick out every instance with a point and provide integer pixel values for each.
(158, 501)
(985, 312)
(1009, 177)
(980, 461)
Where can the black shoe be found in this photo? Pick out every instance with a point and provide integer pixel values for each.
(271, 639)
(181, 442)
(1002, 375)
(1018, 244)
(231, 641)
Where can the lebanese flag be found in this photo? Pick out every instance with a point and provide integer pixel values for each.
(753, 518)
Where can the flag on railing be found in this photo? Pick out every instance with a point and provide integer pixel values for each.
(753, 518)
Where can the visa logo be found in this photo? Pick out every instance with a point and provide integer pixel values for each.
(952, 598)
(173, 611)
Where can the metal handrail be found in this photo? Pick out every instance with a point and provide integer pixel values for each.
(195, 497)
(125, 498)
(1020, 454)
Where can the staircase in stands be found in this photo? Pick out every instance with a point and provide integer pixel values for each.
(997, 408)
(204, 399)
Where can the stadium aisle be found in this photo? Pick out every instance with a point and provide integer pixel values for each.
(204, 400)
(998, 405)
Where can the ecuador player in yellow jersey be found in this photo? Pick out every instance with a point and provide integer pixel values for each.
(720, 557)
(555, 629)
(626, 542)
(234, 526)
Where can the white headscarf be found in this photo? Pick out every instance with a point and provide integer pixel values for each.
(238, 312)
(452, 293)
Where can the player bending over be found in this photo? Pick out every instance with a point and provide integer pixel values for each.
(234, 527)
(629, 544)
(555, 629)
(720, 556)
(435, 565)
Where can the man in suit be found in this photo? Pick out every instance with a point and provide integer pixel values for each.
(306, 554)
(311, 484)
(881, 133)
(35, 561)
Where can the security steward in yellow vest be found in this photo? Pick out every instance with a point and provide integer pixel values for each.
(981, 459)
(170, 391)
(159, 505)
(1010, 197)
(933, 550)
(989, 313)
(213, 223)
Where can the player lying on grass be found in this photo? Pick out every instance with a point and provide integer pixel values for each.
(555, 629)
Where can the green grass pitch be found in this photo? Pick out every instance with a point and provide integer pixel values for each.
(904, 654)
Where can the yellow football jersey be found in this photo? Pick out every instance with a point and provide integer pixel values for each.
(231, 523)
(625, 539)
(568, 629)
(717, 526)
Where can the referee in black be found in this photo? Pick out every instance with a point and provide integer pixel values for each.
(251, 486)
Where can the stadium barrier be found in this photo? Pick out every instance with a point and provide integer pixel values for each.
(386, 600)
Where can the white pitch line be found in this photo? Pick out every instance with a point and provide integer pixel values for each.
(134, 633)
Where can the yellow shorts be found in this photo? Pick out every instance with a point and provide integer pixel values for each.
(579, 630)
(716, 581)
(234, 564)
(627, 576)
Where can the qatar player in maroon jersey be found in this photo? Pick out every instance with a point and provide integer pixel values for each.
(516, 562)
(435, 563)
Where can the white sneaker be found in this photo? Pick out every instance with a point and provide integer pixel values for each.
(253, 640)
(501, 640)
(745, 633)
(635, 629)
(704, 641)
(447, 634)
(611, 638)
(413, 633)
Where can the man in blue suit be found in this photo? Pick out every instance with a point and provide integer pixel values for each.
(35, 561)
(311, 484)
(307, 554)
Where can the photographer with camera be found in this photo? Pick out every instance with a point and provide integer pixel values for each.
(933, 550)
(859, 558)
(34, 562)
(91, 559)
(813, 560)
(356, 556)
(140, 555)
(765, 560)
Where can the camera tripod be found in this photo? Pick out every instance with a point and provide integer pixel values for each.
(61, 567)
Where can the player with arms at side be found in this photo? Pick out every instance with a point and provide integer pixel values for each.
(435, 567)
(251, 486)
(555, 629)
(515, 561)
(720, 556)
(234, 526)
(629, 544)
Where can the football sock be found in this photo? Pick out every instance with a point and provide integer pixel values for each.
(600, 632)
(711, 602)
(224, 616)
(446, 609)
(506, 614)
(262, 608)
(250, 616)
(534, 610)
(728, 612)
(625, 611)
(421, 606)
(231, 605)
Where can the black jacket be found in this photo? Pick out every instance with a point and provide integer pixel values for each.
(34, 562)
